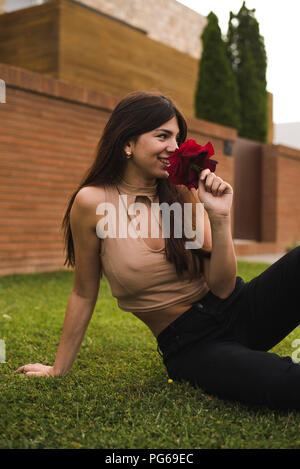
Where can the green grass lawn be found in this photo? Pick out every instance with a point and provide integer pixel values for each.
(117, 395)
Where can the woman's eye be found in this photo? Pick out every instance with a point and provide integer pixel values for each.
(162, 135)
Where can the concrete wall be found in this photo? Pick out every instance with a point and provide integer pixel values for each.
(166, 21)
(2, 6)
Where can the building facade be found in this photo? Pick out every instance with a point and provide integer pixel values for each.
(166, 21)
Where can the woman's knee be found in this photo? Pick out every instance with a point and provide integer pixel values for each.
(294, 254)
(295, 260)
(290, 262)
(284, 388)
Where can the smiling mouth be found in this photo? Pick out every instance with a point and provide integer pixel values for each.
(164, 161)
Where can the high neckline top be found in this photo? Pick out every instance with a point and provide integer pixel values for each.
(141, 278)
(134, 191)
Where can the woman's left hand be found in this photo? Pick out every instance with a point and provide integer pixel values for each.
(215, 193)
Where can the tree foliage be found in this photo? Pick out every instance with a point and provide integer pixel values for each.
(216, 97)
(247, 55)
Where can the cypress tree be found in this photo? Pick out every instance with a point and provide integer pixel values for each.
(216, 97)
(246, 52)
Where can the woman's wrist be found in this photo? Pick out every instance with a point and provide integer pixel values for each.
(217, 218)
(55, 372)
(217, 214)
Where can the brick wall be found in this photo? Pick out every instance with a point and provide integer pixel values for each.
(278, 204)
(280, 176)
(49, 132)
(247, 189)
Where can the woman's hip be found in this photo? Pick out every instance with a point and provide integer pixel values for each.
(208, 319)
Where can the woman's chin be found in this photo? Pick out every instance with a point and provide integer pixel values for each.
(163, 174)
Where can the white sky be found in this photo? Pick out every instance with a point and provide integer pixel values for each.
(279, 25)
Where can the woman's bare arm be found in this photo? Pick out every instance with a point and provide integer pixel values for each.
(85, 289)
(221, 269)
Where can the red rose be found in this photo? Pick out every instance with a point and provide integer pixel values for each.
(188, 160)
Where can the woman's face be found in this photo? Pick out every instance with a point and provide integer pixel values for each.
(150, 150)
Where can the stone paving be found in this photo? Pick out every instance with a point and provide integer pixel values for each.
(265, 258)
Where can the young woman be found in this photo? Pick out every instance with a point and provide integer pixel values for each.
(212, 329)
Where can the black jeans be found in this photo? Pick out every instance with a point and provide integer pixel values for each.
(222, 345)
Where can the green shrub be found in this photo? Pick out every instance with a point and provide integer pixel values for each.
(216, 97)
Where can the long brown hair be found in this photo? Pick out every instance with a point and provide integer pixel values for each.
(137, 113)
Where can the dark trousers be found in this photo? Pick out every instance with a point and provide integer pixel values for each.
(222, 345)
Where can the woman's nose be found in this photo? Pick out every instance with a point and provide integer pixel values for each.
(172, 146)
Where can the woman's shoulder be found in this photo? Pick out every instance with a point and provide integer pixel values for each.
(90, 194)
(89, 197)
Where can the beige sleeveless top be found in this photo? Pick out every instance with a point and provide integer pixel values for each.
(141, 278)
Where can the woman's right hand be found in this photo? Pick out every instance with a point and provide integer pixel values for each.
(215, 194)
(36, 369)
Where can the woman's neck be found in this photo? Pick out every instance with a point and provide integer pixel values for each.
(139, 180)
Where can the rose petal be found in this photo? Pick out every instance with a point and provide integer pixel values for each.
(190, 153)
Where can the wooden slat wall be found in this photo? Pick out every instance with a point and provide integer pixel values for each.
(120, 59)
(29, 39)
(71, 42)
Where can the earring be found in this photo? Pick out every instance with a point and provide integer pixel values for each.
(129, 154)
